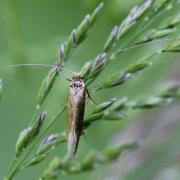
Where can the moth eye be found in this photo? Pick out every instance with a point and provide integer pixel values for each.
(77, 84)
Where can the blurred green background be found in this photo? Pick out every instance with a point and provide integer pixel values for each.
(31, 32)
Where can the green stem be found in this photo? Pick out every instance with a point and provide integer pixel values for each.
(33, 116)
(12, 164)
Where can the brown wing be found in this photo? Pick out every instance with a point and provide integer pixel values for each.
(76, 107)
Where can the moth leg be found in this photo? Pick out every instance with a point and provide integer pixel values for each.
(68, 79)
(89, 97)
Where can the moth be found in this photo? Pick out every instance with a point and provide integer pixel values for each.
(75, 108)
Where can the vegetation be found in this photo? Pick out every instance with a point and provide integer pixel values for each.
(138, 29)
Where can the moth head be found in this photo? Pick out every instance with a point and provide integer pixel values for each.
(77, 82)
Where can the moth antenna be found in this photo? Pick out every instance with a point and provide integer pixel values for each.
(36, 65)
(139, 45)
(24, 65)
(39, 65)
(69, 71)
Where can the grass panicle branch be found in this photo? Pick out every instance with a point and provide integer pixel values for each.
(89, 163)
(108, 110)
(166, 28)
(113, 109)
(122, 76)
(156, 9)
(17, 166)
(118, 109)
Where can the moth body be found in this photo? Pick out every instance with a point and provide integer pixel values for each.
(76, 107)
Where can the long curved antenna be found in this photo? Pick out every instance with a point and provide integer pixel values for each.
(39, 65)
(36, 65)
(139, 45)
(23, 65)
